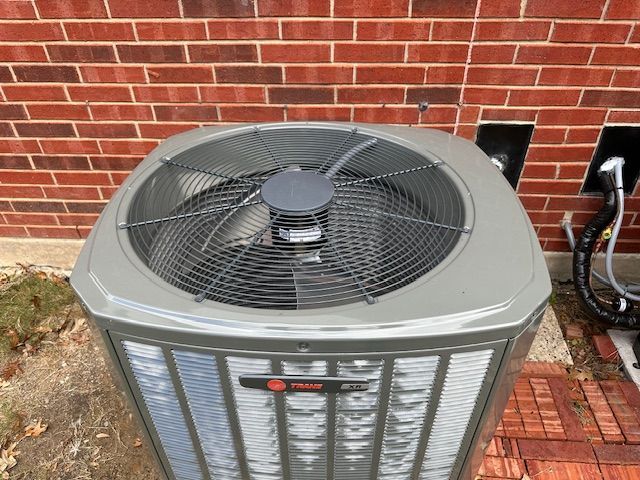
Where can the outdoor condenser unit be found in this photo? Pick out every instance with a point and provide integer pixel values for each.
(315, 301)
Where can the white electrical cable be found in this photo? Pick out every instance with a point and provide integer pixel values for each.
(615, 164)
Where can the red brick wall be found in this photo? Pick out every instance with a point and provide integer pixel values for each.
(87, 87)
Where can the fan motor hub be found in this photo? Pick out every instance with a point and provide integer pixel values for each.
(297, 192)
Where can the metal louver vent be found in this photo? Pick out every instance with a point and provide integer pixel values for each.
(149, 367)
(378, 433)
(356, 416)
(462, 384)
(410, 394)
(295, 217)
(260, 432)
(203, 390)
(306, 424)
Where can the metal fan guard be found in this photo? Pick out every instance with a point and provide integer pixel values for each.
(200, 223)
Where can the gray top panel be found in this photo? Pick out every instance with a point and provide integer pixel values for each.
(491, 282)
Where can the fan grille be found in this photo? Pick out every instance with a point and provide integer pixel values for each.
(200, 223)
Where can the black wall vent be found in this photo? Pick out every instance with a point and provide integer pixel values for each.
(506, 145)
(616, 142)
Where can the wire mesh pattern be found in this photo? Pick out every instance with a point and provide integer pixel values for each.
(200, 221)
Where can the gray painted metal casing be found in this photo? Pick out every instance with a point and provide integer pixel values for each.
(491, 289)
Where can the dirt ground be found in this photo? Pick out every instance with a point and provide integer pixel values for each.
(61, 415)
(65, 384)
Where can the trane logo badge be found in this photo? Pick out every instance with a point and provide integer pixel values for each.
(308, 384)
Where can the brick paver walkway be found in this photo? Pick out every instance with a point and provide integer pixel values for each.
(560, 429)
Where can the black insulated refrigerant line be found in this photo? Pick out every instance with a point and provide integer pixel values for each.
(583, 252)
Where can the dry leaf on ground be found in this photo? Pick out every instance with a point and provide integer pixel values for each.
(14, 339)
(35, 429)
(10, 369)
(580, 375)
(8, 458)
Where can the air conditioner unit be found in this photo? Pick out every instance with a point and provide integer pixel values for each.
(315, 301)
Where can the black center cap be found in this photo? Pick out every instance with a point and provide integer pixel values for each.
(297, 192)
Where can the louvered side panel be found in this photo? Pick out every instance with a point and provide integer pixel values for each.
(356, 416)
(154, 381)
(201, 383)
(306, 416)
(464, 379)
(258, 422)
(411, 386)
